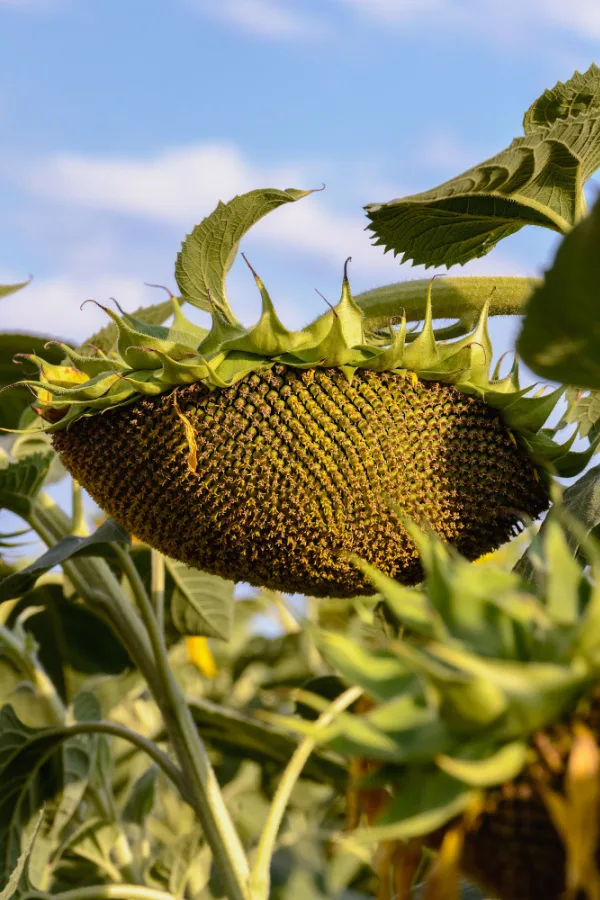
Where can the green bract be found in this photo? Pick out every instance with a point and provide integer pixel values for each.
(148, 360)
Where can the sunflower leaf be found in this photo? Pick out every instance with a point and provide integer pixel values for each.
(209, 251)
(537, 180)
(560, 339)
(18, 583)
(202, 604)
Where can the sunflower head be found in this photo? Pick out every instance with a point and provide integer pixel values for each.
(267, 455)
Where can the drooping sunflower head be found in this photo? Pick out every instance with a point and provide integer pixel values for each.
(267, 455)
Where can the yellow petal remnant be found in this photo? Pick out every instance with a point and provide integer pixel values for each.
(190, 437)
(576, 815)
(198, 653)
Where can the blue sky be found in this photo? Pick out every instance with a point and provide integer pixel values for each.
(124, 121)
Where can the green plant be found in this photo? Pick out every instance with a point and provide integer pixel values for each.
(163, 423)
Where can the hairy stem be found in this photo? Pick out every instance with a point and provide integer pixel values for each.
(158, 588)
(204, 788)
(261, 876)
(105, 892)
(94, 582)
(142, 743)
(78, 523)
(459, 298)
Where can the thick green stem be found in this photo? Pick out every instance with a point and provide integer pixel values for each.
(453, 298)
(158, 588)
(95, 582)
(106, 892)
(261, 870)
(147, 746)
(210, 806)
(78, 522)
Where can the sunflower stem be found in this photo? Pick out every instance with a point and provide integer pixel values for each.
(261, 870)
(210, 806)
(78, 523)
(106, 892)
(453, 298)
(95, 582)
(158, 588)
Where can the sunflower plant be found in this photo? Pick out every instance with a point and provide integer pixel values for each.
(447, 706)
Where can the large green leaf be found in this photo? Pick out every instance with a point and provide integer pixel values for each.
(15, 400)
(202, 604)
(12, 885)
(33, 773)
(560, 339)
(537, 180)
(208, 253)
(18, 583)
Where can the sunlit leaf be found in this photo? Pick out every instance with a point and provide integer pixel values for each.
(208, 253)
(581, 501)
(12, 885)
(424, 801)
(537, 180)
(7, 289)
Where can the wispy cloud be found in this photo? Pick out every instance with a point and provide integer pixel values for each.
(180, 186)
(496, 21)
(266, 18)
(395, 11)
(52, 305)
(508, 21)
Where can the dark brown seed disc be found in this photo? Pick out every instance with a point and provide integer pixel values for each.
(294, 468)
(513, 850)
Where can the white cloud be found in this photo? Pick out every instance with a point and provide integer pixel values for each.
(578, 15)
(183, 185)
(52, 305)
(267, 18)
(174, 187)
(395, 11)
(497, 21)
(509, 21)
